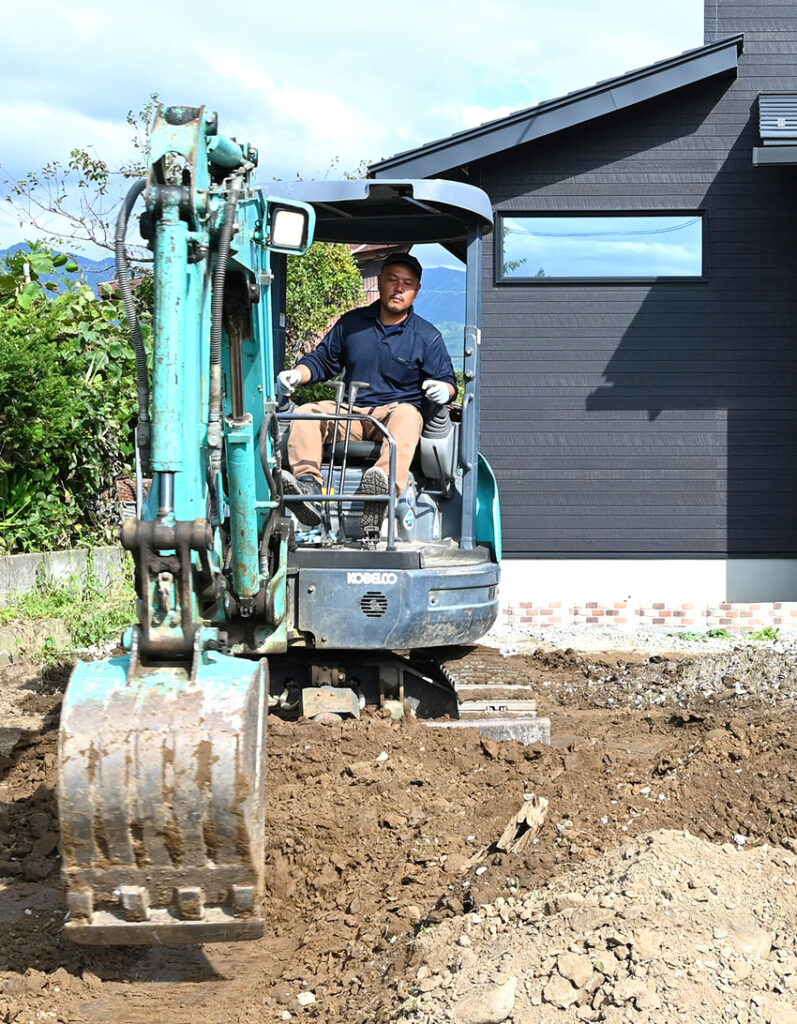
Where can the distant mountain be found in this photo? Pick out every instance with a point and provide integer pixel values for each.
(93, 272)
(442, 296)
(441, 299)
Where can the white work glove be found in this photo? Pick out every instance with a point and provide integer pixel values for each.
(436, 391)
(288, 381)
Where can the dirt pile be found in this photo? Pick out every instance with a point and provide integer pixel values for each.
(667, 928)
(381, 850)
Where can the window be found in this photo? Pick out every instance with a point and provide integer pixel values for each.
(574, 247)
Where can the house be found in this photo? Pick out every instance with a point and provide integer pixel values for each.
(639, 347)
(369, 260)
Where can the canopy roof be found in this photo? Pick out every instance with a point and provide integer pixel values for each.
(394, 211)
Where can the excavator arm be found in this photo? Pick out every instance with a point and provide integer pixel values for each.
(162, 750)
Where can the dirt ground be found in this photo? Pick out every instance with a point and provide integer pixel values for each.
(660, 888)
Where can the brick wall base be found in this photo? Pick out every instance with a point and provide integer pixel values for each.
(628, 615)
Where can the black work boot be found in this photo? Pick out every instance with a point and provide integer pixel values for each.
(307, 512)
(374, 482)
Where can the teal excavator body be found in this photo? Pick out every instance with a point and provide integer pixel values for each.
(162, 750)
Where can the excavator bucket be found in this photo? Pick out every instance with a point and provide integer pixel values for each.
(161, 792)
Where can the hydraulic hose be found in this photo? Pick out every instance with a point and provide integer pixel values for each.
(217, 301)
(270, 426)
(123, 277)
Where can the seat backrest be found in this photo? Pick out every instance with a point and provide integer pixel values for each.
(360, 453)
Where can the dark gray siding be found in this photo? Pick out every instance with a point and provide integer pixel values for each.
(661, 419)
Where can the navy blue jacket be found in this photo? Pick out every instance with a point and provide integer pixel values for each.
(394, 360)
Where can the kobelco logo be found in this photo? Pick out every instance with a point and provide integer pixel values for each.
(384, 578)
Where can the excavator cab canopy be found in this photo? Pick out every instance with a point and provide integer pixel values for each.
(398, 212)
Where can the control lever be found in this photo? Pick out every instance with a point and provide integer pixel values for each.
(340, 388)
(354, 387)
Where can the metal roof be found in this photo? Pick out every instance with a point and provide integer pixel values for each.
(575, 108)
(395, 211)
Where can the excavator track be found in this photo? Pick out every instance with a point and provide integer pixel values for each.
(418, 681)
(499, 710)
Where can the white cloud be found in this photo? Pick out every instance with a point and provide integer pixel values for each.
(308, 82)
(65, 130)
(472, 116)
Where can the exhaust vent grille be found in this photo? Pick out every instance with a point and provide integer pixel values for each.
(777, 118)
(373, 603)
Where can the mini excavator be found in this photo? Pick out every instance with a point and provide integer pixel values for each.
(241, 610)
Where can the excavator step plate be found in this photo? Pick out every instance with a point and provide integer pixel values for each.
(489, 708)
(504, 727)
(500, 711)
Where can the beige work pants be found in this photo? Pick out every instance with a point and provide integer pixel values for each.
(308, 437)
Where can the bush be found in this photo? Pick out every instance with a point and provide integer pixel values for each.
(321, 285)
(67, 402)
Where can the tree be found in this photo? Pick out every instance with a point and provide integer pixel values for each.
(322, 284)
(83, 196)
(77, 201)
(67, 401)
(67, 369)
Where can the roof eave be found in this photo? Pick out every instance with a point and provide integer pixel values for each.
(576, 108)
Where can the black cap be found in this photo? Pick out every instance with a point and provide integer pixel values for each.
(406, 260)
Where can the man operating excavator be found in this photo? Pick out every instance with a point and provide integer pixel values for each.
(405, 362)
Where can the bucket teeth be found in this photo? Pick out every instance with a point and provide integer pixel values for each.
(191, 903)
(243, 900)
(135, 902)
(162, 801)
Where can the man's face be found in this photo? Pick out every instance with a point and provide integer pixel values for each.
(398, 287)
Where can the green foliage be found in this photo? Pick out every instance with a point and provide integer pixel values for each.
(67, 400)
(319, 391)
(91, 612)
(711, 634)
(140, 123)
(321, 285)
(767, 633)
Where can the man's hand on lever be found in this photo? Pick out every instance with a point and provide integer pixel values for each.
(437, 391)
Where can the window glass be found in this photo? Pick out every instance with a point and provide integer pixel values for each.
(536, 248)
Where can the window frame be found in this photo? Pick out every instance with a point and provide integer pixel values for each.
(498, 255)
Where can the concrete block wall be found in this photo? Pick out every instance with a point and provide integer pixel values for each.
(19, 573)
(625, 615)
(693, 595)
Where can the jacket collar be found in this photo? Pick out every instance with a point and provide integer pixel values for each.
(372, 312)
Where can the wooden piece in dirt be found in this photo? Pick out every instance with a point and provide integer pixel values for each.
(525, 825)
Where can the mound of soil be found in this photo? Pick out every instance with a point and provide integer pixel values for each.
(667, 928)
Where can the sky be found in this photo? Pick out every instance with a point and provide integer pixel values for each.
(319, 87)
